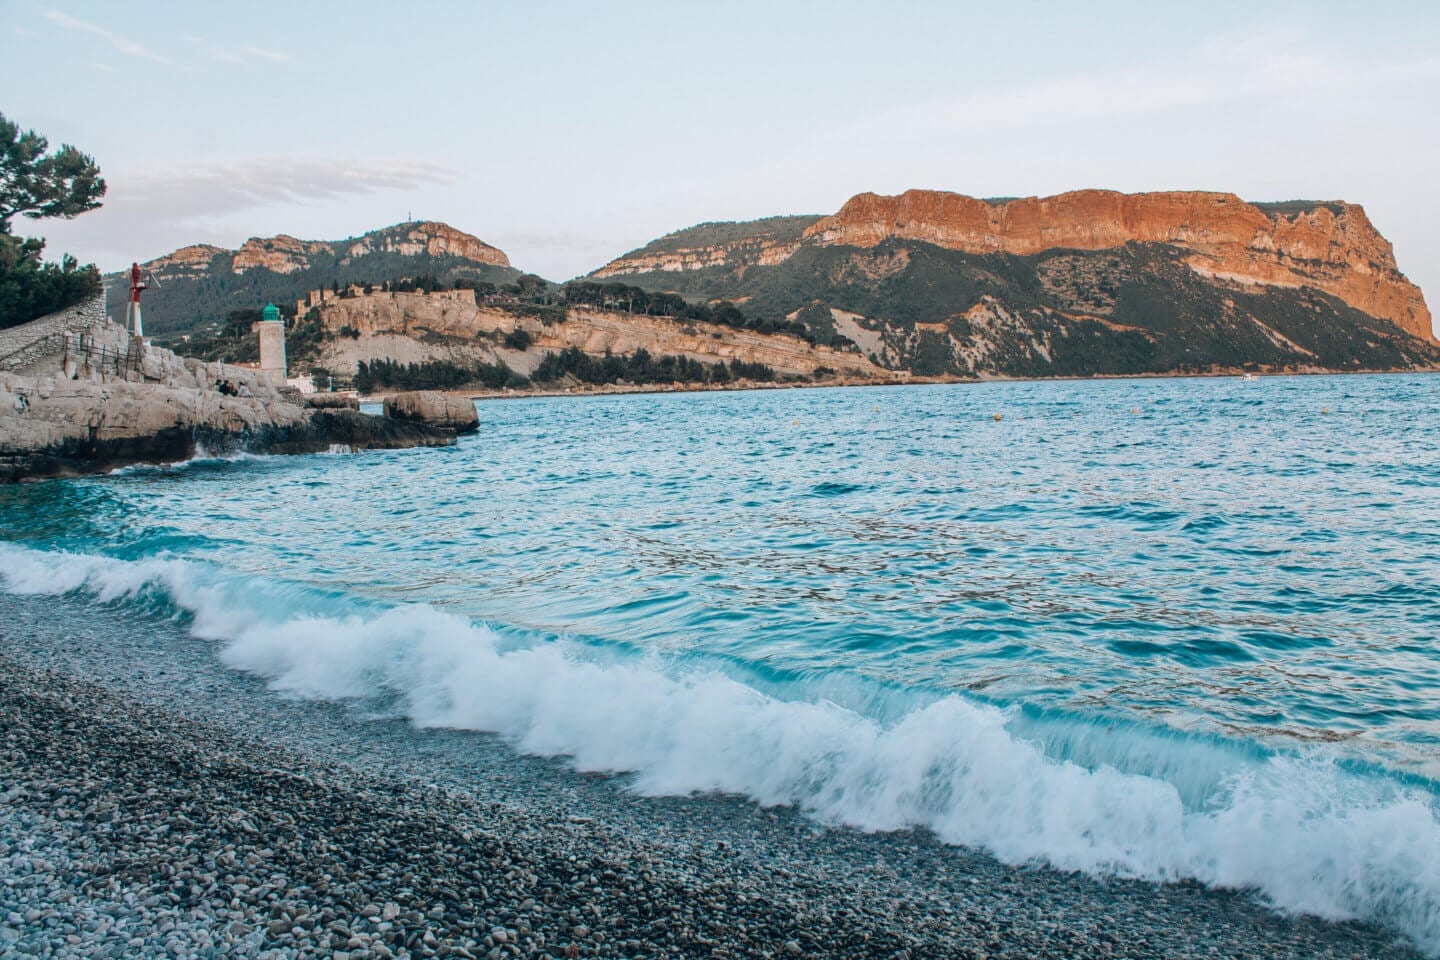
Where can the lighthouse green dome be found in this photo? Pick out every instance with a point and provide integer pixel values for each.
(271, 312)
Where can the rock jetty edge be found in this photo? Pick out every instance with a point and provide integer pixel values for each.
(89, 398)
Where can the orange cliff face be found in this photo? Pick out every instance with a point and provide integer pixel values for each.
(1331, 247)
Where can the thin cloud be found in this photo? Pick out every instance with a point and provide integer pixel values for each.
(128, 47)
(220, 189)
(236, 55)
(155, 211)
(268, 54)
(213, 52)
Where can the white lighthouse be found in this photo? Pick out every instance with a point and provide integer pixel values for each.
(271, 330)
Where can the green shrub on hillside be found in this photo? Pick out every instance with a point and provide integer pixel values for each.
(30, 288)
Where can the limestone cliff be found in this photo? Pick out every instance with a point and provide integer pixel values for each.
(450, 325)
(282, 254)
(426, 238)
(1330, 247)
(1327, 246)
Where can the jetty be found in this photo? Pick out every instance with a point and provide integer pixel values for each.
(81, 394)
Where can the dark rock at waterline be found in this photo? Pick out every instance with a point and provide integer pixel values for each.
(321, 431)
(435, 408)
(359, 431)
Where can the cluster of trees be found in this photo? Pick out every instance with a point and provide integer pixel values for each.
(619, 296)
(640, 367)
(432, 375)
(36, 184)
(528, 287)
(31, 288)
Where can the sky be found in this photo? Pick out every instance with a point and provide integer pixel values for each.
(569, 133)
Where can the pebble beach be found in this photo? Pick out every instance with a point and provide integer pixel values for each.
(153, 803)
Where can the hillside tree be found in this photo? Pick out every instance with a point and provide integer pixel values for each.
(36, 184)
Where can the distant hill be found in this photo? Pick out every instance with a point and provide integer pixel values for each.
(1091, 282)
(199, 285)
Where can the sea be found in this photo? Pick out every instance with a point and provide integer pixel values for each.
(1160, 628)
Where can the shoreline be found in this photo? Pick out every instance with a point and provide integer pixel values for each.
(134, 751)
(608, 390)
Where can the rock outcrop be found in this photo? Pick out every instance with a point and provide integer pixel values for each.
(434, 407)
(203, 283)
(430, 239)
(759, 242)
(1326, 246)
(1331, 247)
(104, 400)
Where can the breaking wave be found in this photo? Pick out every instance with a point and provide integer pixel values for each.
(1307, 832)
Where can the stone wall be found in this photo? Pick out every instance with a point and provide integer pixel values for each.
(32, 344)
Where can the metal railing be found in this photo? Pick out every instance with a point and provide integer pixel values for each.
(83, 348)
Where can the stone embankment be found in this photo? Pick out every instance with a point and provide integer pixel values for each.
(79, 395)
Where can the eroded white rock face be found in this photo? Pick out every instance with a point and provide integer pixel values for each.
(114, 389)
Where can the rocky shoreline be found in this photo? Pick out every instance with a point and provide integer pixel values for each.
(88, 399)
(319, 432)
(163, 805)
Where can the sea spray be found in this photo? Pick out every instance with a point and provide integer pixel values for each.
(1306, 832)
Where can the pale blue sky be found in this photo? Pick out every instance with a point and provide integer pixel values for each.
(568, 133)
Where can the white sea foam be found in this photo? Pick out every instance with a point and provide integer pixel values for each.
(1307, 833)
(201, 458)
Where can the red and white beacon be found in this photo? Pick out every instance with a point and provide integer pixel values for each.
(132, 306)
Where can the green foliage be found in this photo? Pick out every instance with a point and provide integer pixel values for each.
(37, 184)
(1289, 208)
(770, 229)
(619, 296)
(641, 368)
(548, 314)
(1159, 314)
(230, 341)
(30, 288)
(518, 339)
(432, 375)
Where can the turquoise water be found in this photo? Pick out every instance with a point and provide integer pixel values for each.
(1169, 628)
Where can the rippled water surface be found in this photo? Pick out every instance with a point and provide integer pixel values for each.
(1190, 581)
(1260, 559)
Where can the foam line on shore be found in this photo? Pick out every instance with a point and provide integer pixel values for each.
(1303, 830)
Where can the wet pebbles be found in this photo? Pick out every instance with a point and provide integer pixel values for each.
(144, 813)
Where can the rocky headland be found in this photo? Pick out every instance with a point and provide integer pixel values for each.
(1091, 282)
(926, 284)
(79, 395)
